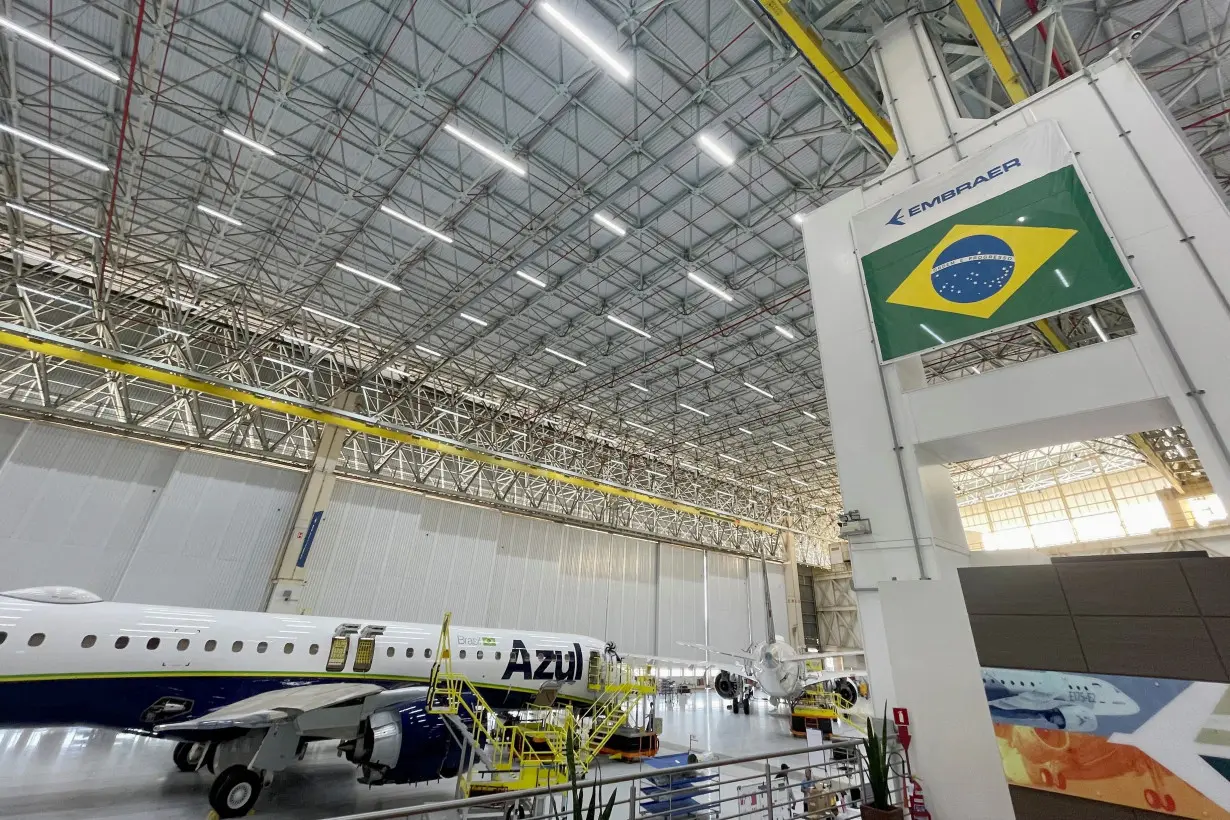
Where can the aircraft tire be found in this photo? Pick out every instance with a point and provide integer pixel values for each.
(235, 792)
(182, 756)
(734, 706)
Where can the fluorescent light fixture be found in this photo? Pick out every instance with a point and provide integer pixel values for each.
(798, 218)
(292, 32)
(689, 465)
(759, 390)
(715, 149)
(759, 489)
(286, 364)
(53, 296)
(448, 412)
(473, 319)
(601, 55)
(976, 369)
(773, 472)
(329, 317)
(533, 280)
(655, 473)
(639, 387)
(308, 343)
(816, 507)
(704, 363)
(1063, 280)
(639, 426)
(516, 383)
(781, 446)
(249, 143)
(745, 430)
(586, 407)
(933, 334)
(1020, 219)
(1093, 320)
(474, 397)
(47, 260)
(729, 458)
(516, 167)
(784, 331)
(800, 483)
(384, 283)
(429, 352)
(563, 356)
(811, 415)
(186, 305)
(820, 461)
(55, 149)
(709, 286)
(172, 331)
(414, 223)
(58, 50)
(613, 318)
(695, 410)
(606, 439)
(693, 445)
(230, 220)
(196, 270)
(610, 224)
(565, 447)
(42, 217)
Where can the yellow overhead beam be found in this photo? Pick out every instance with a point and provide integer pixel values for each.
(994, 49)
(16, 337)
(809, 44)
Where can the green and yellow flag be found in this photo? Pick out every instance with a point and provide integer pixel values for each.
(1028, 244)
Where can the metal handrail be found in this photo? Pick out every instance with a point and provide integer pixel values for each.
(564, 789)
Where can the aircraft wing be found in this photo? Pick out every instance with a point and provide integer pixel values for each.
(1027, 702)
(277, 706)
(813, 656)
(743, 656)
(817, 675)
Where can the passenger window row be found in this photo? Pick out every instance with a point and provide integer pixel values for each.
(210, 645)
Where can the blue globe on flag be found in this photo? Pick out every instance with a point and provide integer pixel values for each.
(972, 269)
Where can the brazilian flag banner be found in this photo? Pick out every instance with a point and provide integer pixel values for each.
(1004, 238)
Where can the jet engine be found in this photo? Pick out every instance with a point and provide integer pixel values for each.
(725, 685)
(405, 744)
(1073, 719)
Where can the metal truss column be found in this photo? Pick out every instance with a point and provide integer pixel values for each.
(288, 584)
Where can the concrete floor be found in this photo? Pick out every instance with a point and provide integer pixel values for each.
(75, 774)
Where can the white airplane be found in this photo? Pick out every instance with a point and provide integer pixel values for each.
(245, 692)
(1056, 700)
(777, 670)
(771, 665)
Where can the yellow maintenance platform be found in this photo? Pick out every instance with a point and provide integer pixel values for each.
(533, 751)
(817, 709)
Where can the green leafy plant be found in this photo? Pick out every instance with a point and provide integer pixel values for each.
(877, 763)
(578, 793)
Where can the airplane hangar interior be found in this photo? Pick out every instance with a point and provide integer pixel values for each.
(647, 409)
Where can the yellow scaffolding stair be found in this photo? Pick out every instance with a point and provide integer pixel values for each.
(534, 752)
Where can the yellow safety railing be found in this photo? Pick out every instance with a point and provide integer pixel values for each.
(533, 752)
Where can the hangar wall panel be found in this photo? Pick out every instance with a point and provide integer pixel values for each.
(214, 535)
(138, 522)
(74, 505)
(726, 592)
(632, 595)
(681, 601)
(777, 595)
(382, 553)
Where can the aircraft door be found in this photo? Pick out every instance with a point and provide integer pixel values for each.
(339, 647)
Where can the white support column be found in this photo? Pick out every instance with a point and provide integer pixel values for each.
(291, 575)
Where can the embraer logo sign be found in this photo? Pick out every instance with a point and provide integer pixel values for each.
(552, 663)
(903, 214)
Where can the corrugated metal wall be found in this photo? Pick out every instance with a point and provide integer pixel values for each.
(135, 521)
(730, 621)
(385, 553)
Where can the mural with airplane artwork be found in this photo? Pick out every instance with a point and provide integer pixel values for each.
(1148, 743)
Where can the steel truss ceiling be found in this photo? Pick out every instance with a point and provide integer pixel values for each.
(722, 403)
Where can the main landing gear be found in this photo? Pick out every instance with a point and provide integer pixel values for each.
(188, 756)
(235, 791)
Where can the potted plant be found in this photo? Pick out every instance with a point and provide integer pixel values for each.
(578, 793)
(880, 806)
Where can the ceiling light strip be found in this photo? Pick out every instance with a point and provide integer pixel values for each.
(414, 223)
(58, 50)
(42, 217)
(55, 149)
